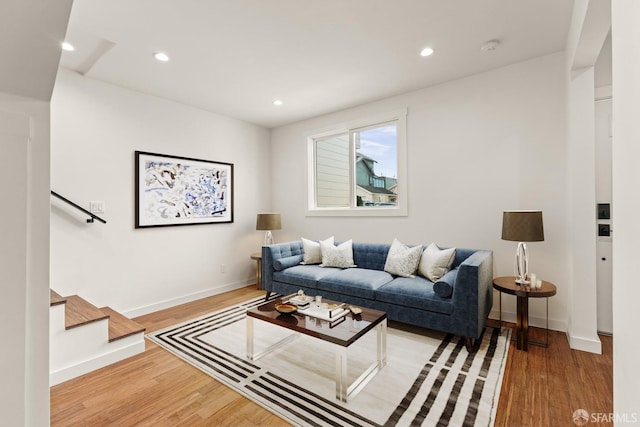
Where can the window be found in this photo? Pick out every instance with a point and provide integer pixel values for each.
(359, 168)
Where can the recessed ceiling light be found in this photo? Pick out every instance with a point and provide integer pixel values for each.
(427, 51)
(277, 102)
(161, 56)
(68, 47)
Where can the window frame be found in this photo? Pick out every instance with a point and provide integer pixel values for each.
(400, 209)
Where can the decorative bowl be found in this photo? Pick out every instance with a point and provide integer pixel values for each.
(286, 308)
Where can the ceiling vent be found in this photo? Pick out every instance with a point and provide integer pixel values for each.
(490, 46)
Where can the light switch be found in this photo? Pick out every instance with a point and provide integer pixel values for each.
(96, 207)
(604, 230)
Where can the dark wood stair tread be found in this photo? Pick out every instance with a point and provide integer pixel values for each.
(80, 312)
(55, 298)
(120, 326)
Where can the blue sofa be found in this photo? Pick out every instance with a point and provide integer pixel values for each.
(409, 300)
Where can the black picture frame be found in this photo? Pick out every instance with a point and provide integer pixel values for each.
(174, 190)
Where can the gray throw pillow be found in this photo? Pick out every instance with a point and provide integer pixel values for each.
(402, 260)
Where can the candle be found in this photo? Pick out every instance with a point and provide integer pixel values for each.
(532, 279)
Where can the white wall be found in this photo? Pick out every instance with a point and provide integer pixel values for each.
(96, 127)
(24, 260)
(581, 213)
(626, 176)
(604, 250)
(590, 25)
(30, 35)
(476, 146)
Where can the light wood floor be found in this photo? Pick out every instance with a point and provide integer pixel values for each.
(542, 387)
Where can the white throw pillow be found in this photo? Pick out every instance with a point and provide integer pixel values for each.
(337, 256)
(435, 262)
(402, 260)
(311, 250)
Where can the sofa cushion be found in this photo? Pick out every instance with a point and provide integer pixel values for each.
(312, 253)
(340, 256)
(370, 255)
(358, 282)
(303, 275)
(435, 262)
(462, 255)
(282, 263)
(443, 287)
(402, 260)
(416, 292)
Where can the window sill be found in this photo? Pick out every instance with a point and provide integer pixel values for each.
(359, 212)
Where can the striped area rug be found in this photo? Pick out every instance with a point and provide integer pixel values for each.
(430, 379)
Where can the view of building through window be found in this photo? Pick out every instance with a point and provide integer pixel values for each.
(358, 168)
(333, 169)
(376, 165)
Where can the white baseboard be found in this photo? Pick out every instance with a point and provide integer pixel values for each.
(589, 344)
(136, 346)
(161, 305)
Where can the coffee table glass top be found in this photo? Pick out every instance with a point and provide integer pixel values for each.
(344, 331)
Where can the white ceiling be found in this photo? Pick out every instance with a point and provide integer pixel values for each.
(30, 31)
(234, 57)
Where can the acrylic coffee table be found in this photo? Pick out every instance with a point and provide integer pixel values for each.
(341, 333)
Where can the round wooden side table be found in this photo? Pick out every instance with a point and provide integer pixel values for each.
(257, 256)
(508, 285)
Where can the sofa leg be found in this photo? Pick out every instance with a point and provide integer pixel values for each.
(468, 343)
(266, 297)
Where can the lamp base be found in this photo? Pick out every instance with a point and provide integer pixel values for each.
(268, 238)
(521, 265)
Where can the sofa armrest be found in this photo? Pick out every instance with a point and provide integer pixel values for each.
(472, 293)
(272, 253)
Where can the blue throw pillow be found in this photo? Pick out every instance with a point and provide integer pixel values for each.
(282, 263)
(443, 287)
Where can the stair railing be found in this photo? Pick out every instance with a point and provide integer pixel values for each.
(89, 220)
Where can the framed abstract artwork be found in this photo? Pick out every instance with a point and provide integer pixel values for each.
(172, 190)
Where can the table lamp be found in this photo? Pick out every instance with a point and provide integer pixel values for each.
(268, 222)
(522, 226)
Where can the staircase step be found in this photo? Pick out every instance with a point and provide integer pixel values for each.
(120, 326)
(55, 298)
(80, 312)
(94, 346)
